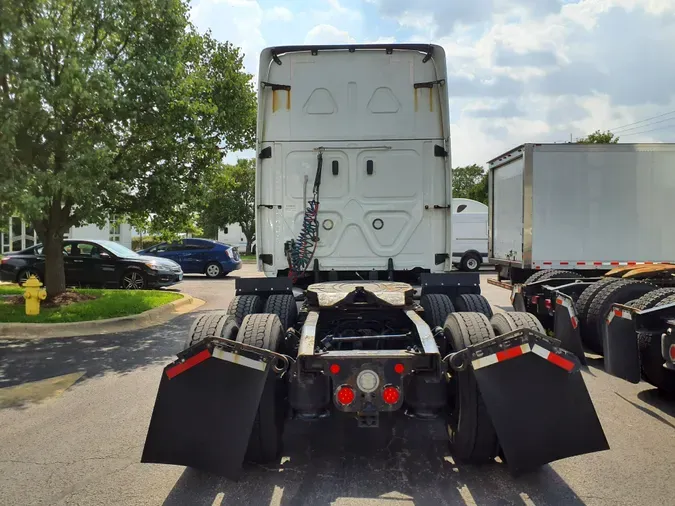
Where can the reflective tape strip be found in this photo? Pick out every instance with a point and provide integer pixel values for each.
(555, 359)
(618, 313)
(575, 321)
(561, 301)
(501, 356)
(190, 362)
(239, 359)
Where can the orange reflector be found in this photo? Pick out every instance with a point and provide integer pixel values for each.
(618, 312)
(334, 368)
(559, 302)
(391, 395)
(399, 368)
(345, 395)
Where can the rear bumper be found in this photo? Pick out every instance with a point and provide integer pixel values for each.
(231, 265)
(7, 276)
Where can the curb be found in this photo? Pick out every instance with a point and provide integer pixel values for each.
(150, 318)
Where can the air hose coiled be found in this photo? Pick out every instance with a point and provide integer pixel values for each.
(303, 248)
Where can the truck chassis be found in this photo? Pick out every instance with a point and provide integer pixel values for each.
(363, 350)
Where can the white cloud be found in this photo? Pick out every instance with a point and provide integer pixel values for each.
(328, 34)
(279, 14)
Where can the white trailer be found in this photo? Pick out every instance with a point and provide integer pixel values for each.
(580, 207)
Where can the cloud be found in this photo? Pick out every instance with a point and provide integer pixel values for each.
(538, 58)
(508, 109)
(279, 14)
(328, 34)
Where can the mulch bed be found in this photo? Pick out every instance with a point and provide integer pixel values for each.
(63, 299)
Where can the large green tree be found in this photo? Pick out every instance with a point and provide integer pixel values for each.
(470, 182)
(599, 137)
(231, 199)
(112, 107)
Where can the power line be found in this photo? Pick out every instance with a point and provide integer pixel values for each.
(652, 130)
(644, 126)
(641, 121)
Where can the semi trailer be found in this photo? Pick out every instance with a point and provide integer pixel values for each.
(359, 315)
(588, 226)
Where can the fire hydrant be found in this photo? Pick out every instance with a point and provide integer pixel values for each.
(33, 295)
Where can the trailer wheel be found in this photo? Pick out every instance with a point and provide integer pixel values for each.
(211, 324)
(652, 299)
(615, 293)
(264, 444)
(651, 357)
(473, 439)
(503, 323)
(583, 303)
(284, 307)
(436, 307)
(473, 303)
(243, 305)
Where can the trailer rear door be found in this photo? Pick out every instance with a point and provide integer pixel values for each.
(506, 194)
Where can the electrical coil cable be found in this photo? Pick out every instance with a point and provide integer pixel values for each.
(302, 249)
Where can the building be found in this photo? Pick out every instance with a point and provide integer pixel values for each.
(20, 235)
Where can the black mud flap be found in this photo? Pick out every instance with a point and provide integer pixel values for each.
(206, 406)
(536, 398)
(518, 299)
(566, 326)
(620, 345)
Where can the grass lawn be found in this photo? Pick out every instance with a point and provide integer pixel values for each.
(108, 304)
(10, 290)
(248, 258)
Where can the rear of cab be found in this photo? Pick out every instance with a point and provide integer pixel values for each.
(379, 116)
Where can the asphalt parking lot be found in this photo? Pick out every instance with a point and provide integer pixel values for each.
(75, 432)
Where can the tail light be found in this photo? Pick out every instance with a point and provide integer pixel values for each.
(4, 260)
(548, 303)
(391, 395)
(229, 253)
(535, 299)
(345, 395)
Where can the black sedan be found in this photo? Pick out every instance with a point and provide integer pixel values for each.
(94, 263)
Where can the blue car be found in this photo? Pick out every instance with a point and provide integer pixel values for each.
(199, 256)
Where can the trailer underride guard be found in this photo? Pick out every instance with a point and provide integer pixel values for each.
(380, 327)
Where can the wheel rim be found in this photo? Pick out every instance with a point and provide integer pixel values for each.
(472, 263)
(213, 270)
(133, 281)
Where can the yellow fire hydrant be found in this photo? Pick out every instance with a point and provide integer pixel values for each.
(33, 295)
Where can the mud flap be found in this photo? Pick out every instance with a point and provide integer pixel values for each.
(206, 405)
(517, 299)
(620, 344)
(537, 400)
(566, 326)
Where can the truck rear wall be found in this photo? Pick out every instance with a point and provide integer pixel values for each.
(583, 205)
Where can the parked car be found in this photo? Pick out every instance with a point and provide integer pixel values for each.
(94, 263)
(199, 256)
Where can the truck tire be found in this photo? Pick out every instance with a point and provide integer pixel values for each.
(243, 305)
(436, 307)
(651, 357)
(503, 323)
(470, 262)
(211, 324)
(651, 299)
(614, 293)
(473, 439)
(473, 303)
(285, 307)
(264, 444)
(583, 303)
(552, 274)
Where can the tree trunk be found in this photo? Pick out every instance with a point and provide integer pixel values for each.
(55, 277)
(247, 230)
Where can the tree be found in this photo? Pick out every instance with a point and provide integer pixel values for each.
(231, 199)
(599, 137)
(112, 107)
(470, 182)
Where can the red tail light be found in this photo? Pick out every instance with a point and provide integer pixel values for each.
(535, 299)
(391, 395)
(334, 368)
(672, 352)
(345, 395)
(548, 303)
(4, 260)
(399, 368)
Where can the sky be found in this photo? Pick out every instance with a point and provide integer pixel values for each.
(518, 70)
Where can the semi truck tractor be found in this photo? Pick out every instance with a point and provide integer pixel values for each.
(588, 226)
(359, 315)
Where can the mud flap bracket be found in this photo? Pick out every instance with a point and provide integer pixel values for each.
(566, 326)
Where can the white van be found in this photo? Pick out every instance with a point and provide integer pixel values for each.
(469, 234)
